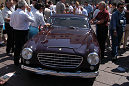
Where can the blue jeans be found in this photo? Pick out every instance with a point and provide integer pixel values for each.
(116, 40)
(33, 31)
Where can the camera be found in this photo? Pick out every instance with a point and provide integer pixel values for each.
(121, 21)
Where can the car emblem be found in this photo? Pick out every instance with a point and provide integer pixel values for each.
(60, 49)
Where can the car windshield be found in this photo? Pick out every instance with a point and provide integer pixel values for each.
(70, 22)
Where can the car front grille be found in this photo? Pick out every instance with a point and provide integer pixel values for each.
(55, 60)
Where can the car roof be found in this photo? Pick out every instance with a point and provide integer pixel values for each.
(68, 15)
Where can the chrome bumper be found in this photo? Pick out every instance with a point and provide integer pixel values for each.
(51, 72)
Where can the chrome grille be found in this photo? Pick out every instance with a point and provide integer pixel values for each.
(56, 60)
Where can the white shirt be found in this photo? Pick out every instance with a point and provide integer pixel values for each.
(47, 13)
(19, 20)
(84, 12)
(1, 18)
(78, 10)
(7, 12)
(33, 10)
(39, 19)
(71, 8)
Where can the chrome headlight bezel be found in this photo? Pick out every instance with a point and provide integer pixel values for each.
(93, 58)
(27, 53)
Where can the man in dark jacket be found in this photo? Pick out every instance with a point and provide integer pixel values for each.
(117, 26)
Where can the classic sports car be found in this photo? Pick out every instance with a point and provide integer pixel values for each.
(66, 48)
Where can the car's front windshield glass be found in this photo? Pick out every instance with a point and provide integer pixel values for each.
(70, 22)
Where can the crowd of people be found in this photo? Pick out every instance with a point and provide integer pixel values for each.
(22, 21)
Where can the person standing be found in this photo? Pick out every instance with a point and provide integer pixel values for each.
(84, 11)
(77, 9)
(20, 22)
(33, 10)
(60, 7)
(113, 8)
(71, 7)
(126, 27)
(117, 25)
(1, 28)
(47, 12)
(89, 9)
(6, 12)
(39, 20)
(96, 11)
(2, 6)
(101, 26)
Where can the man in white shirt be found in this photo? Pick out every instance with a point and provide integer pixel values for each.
(84, 11)
(47, 12)
(6, 12)
(33, 10)
(20, 22)
(71, 8)
(39, 20)
(89, 9)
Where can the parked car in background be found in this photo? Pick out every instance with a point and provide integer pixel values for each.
(66, 48)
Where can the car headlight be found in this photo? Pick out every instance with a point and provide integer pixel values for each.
(27, 53)
(93, 58)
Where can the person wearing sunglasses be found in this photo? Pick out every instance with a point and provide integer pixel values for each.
(117, 26)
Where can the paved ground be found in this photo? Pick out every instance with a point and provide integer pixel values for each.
(110, 74)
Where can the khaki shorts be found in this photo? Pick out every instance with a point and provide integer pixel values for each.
(1, 31)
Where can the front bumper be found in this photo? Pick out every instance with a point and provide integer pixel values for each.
(68, 74)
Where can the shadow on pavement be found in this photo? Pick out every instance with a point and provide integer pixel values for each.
(123, 84)
(26, 78)
(107, 57)
(2, 55)
(122, 62)
(123, 67)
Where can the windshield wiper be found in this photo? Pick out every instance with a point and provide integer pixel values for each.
(72, 27)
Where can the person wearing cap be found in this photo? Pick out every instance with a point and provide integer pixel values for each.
(77, 8)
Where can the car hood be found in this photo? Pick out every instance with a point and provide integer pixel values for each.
(79, 39)
(65, 37)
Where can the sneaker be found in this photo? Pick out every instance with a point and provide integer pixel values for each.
(12, 51)
(1, 45)
(109, 48)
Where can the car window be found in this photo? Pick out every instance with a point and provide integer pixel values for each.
(70, 22)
